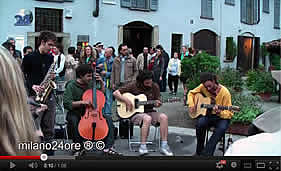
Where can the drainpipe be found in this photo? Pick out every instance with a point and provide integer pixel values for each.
(96, 8)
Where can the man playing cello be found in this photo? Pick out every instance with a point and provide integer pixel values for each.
(76, 107)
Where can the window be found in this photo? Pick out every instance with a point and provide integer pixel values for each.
(206, 9)
(140, 4)
(277, 14)
(56, 0)
(265, 6)
(231, 50)
(250, 11)
(230, 2)
(48, 19)
(113, 2)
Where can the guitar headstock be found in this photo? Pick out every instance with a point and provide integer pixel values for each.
(235, 108)
(173, 100)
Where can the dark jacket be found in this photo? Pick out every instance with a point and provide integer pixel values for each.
(35, 67)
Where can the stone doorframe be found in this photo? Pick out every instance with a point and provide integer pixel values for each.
(65, 41)
(155, 35)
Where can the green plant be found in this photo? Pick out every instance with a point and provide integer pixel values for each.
(276, 61)
(249, 108)
(192, 67)
(264, 51)
(230, 78)
(260, 82)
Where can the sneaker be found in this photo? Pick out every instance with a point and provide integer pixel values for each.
(143, 151)
(166, 151)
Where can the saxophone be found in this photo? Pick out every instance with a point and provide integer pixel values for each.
(48, 85)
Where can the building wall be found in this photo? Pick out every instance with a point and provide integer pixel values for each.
(171, 17)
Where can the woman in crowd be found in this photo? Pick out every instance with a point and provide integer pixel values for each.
(70, 65)
(174, 71)
(89, 55)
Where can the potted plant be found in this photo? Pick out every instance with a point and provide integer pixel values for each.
(231, 78)
(261, 83)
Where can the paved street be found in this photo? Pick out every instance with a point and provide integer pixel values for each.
(180, 125)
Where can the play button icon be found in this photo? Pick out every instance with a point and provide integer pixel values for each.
(12, 165)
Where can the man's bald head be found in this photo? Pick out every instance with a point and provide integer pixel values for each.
(108, 52)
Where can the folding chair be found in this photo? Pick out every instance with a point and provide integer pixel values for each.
(153, 142)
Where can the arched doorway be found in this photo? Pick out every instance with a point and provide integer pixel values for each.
(136, 35)
(248, 52)
(206, 40)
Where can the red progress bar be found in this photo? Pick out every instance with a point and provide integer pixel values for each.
(20, 157)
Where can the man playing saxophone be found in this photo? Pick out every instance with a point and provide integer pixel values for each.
(38, 72)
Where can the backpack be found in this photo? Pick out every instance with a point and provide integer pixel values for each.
(62, 73)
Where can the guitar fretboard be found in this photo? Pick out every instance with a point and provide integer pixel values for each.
(210, 106)
(146, 102)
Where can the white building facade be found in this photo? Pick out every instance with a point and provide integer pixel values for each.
(202, 24)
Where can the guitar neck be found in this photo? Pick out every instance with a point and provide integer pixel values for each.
(210, 106)
(147, 102)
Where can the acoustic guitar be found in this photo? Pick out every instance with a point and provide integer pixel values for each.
(203, 103)
(138, 104)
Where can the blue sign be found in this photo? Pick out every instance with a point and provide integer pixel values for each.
(24, 18)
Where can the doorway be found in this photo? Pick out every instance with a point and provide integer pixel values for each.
(248, 53)
(206, 40)
(136, 35)
(176, 43)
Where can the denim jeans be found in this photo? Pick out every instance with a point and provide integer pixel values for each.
(204, 122)
(108, 101)
(73, 122)
(109, 139)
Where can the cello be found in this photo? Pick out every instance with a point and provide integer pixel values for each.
(93, 126)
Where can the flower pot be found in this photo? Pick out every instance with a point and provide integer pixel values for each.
(238, 128)
(265, 96)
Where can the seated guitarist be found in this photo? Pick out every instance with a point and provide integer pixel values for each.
(145, 85)
(209, 87)
(76, 107)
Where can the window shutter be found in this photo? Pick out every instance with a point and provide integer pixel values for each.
(230, 2)
(125, 3)
(203, 8)
(256, 12)
(277, 14)
(243, 11)
(134, 3)
(141, 4)
(209, 8)
(154, 5)
(265, 6)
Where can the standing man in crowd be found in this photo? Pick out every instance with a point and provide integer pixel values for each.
(13, 42)
(165, 56)
(124, 68)
(27, 50)
(143, 60)
(35, 67)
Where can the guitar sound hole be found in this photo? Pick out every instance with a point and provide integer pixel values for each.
(136, 103)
